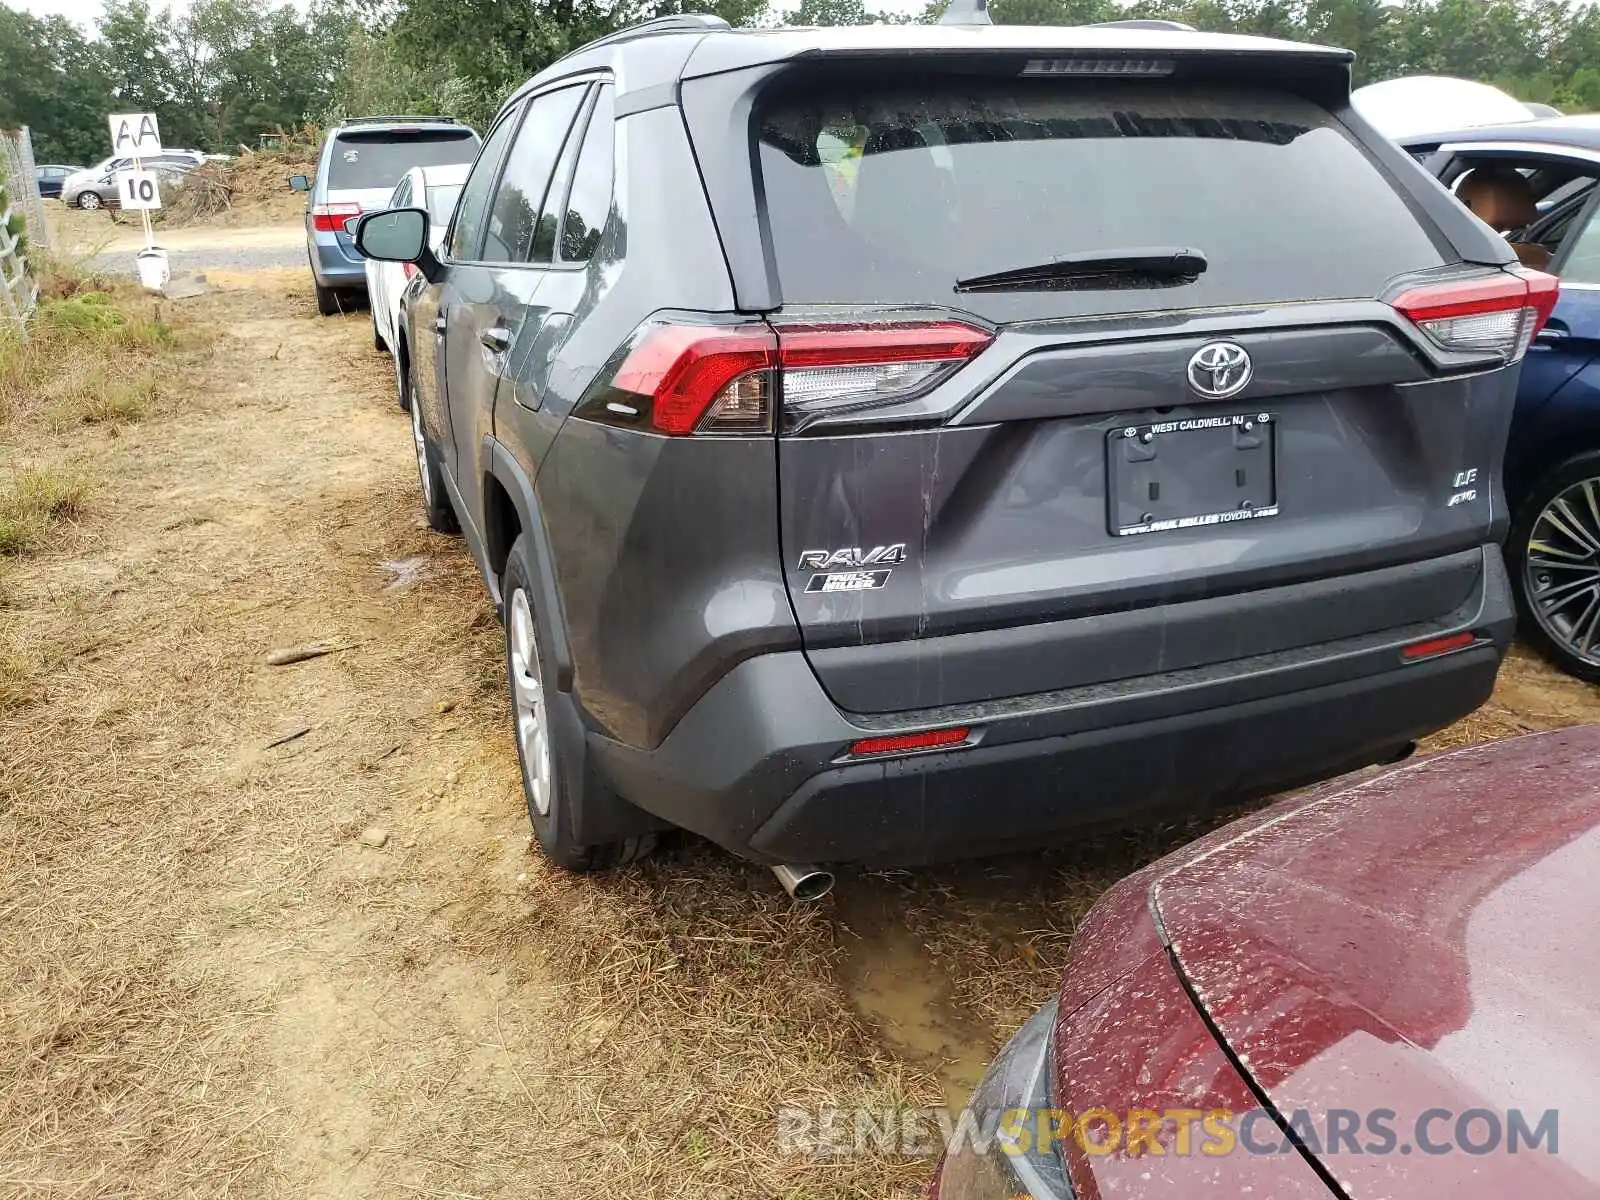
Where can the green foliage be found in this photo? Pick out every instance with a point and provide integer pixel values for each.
(84, 313)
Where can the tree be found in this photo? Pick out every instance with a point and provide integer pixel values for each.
(53, 83)
(829, 12)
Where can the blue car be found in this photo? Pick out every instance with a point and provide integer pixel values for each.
(1535, 183)
(358, 166)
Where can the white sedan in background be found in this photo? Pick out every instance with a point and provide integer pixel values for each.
(432, 188)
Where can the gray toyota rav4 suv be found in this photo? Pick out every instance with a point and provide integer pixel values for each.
(892, 443)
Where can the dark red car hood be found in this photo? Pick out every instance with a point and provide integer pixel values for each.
(1426, 938)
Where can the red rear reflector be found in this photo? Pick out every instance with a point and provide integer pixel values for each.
(330, 218)
(1438, 645)
(901, 742)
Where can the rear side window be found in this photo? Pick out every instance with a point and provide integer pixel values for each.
(378, 158)
(889, 193)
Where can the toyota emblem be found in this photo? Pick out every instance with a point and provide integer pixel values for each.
(1220, 369)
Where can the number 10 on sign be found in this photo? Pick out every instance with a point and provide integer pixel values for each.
(138, 189)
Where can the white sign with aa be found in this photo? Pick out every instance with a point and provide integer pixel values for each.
(138, 189)
(135, 135)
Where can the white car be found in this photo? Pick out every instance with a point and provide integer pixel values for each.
(432, 188)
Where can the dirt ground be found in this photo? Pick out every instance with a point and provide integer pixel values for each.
(278, 931)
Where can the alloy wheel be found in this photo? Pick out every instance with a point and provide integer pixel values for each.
(1562, 570)
(527, 698)
(89, 200)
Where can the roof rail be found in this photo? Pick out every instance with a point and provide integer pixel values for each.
(1143, 23)
(676, 23)
(966, 12)
(380, 118)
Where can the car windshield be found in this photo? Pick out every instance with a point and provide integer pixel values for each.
(886, 192)
(442, 202)
(378, 158)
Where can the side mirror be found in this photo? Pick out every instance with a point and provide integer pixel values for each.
(350, 225)
(397, 235)
(299, 183)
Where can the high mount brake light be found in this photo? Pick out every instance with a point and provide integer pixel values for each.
(330, 218)
(720, 380)
(1499, 314)
(1099, 66)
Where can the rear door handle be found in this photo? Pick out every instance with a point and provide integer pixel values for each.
(496, 338)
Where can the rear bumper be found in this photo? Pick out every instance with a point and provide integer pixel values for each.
(333, 267)
(758, 764)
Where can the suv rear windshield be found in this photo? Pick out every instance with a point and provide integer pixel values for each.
(888, 193)
(378, 158)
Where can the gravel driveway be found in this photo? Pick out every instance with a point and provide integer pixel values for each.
(208, 258)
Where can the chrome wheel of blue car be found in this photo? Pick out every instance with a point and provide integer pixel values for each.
(1561, 570)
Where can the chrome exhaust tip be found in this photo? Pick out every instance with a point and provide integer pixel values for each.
(803, 881)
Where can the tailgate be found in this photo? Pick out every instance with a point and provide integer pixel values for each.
(1130, 450)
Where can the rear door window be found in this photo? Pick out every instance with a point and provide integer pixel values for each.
(514, 214)
(887, 193)
(378, 158)
(467, 231)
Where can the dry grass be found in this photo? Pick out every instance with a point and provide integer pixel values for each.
(33, 503)
(97, 354)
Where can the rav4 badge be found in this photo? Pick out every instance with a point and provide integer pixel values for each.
(852, 556)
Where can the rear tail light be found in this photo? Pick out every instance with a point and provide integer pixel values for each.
(410, 270)
(330, 218)
(1497, 315)
(844, 368)
(719, 380)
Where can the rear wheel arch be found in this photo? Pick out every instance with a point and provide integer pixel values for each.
(511, 510)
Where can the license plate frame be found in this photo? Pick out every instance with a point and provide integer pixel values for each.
(1191, 472)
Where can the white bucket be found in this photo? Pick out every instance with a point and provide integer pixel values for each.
(153, 269)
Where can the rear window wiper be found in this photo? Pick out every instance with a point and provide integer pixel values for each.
(1144, 266)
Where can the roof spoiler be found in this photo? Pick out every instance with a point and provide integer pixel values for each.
(380, 119)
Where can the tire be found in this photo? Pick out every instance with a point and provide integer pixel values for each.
(402, 374)
(328, 301)
(1558, 591)
(435, 499)
(378, 343)
(551, 748)
(89, 201)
